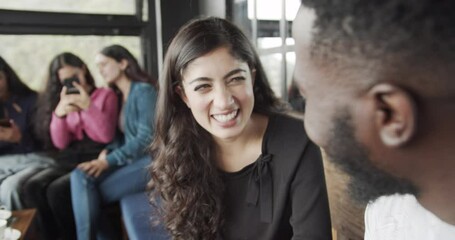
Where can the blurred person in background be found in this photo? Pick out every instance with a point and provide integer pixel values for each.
(78, 119)
(120, 168)
(18, 145)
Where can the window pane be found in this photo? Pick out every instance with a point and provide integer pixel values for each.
(271, 10)
(80, 6)
(272, 65)
(30, 55)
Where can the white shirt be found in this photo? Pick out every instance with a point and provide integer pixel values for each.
(401, 217)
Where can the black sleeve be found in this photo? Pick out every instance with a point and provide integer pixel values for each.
(310, 217)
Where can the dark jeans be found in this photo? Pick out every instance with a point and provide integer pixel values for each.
(50, 192)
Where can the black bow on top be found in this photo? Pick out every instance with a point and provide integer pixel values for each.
(260, 187)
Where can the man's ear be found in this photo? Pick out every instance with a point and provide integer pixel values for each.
(396, 117)
(179, 90)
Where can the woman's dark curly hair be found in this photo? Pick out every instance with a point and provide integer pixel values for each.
(14, 83)
(49, 99)
(184, 173)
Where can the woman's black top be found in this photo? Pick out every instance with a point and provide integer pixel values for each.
(282, 195)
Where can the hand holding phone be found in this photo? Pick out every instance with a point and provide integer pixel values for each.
(68, 83)
(5, 123)
(10, 134)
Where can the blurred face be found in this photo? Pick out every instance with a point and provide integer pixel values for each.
(70, 71)
(109, 68)
(218, 89)
(334, 117)
(317, 82)
(3, 85)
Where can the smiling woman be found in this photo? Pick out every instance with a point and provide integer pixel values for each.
(229, 163)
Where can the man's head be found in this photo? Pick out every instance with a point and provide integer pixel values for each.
(375, 74)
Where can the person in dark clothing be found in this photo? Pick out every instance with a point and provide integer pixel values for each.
(18, 145)
(229, 163)
(79, 126)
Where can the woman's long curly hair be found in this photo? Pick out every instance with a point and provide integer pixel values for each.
(184, 172)
(49, 99)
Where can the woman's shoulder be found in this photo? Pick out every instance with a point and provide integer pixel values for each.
(287, 142)
(286, 132)
(141, 89)
(25, 101)
(142, 86)
(284, 123)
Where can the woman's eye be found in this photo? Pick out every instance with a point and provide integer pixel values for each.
(201, 87)
(237, 79)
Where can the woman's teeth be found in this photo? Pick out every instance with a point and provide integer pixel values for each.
(225, 117)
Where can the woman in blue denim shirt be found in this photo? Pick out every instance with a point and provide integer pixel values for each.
(120, 169)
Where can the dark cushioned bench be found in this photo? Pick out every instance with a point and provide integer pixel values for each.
(136, 213)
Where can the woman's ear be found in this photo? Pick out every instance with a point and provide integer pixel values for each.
(179, 90)
(123, 64)
(395, 117)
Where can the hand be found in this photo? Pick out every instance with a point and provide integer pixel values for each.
(95, 167)
(82, 100)
(103, 154)
(11, 134)
(66, 104)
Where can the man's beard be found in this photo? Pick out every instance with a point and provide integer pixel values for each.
(367, 181)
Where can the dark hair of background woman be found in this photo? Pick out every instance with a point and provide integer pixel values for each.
(133, 71)
(184, 171)
(50, 97)
(14, 83)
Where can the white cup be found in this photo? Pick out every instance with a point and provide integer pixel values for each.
(2, 228)
(5, 214)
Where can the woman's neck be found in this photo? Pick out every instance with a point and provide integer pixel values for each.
(234, 154)
(124, 85)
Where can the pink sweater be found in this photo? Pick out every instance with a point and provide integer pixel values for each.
(98, 121)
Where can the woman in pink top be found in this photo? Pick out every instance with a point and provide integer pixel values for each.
(79, 120)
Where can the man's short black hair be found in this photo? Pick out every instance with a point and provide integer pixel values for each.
(393, 25)
(414, 32)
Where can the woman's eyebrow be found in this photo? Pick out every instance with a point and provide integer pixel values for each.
(230, 73)
(233, 72)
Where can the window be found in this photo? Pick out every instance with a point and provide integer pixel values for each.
(33, 32)
(71, 6)
(30, 55)
(269, 28)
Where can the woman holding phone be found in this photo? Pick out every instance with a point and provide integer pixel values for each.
(18, 145)
(78, 119)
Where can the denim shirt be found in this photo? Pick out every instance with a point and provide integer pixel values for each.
(138, 116)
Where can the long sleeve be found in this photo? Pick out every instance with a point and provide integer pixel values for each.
(100, 119)
(21, 109)
(310, 217)
(60, 134)
(135, 144)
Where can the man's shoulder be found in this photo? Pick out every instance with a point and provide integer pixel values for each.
(402, 217)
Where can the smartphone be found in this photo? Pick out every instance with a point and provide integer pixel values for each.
(70, 88)
(4, 122)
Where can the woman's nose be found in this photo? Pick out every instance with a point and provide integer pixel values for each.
(223, 98)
